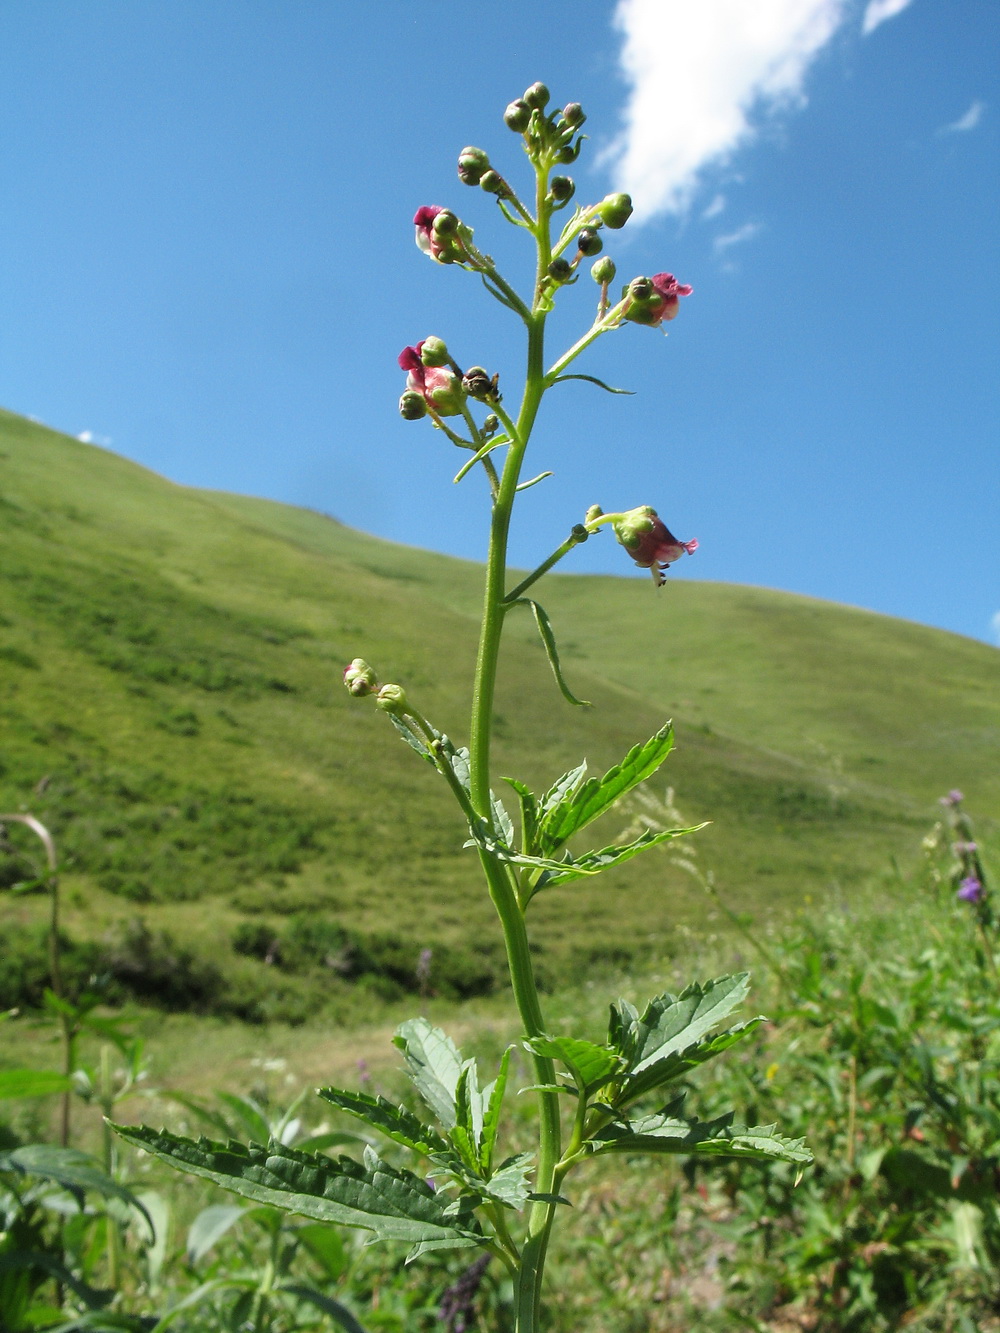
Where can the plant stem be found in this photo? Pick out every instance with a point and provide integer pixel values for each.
(502, 885)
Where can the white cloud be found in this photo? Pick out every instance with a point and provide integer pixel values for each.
(745, 233)
(697, 73)
(716, 207)
(90, 437)
(969, 121)
(878, 11)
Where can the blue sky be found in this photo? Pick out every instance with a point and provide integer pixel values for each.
(207, 264)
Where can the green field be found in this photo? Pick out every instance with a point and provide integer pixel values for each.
(171, 704)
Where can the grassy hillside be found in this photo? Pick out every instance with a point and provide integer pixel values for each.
(171, 703)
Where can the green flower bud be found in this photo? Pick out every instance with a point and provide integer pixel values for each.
(604, 270)
(589, 242)
(561, 188)
(536, 96)
(561, 270)
(493, 183)
(595, 511)
(517, 116)
(359, 677)
(472, 162)
(491, 425)
(445, 223)
(567, 154)
(641, 290)
(412, 406)
(615, 210)
(392, 699)
(433, 352)
(573, 114)
(631, 527)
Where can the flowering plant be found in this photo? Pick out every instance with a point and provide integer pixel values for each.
(622, 1095)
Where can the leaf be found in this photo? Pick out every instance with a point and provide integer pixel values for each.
(411, 738)
(434, 1065)
(425, 1246)
(525, 485)
(591, 1065)
(563, 788)
(502, 821)
(32, 1083)
(509, 1185)
(592, 379)
(395, 1122)
(584, 804)
(592, 863)
(373, 1196)
(210, 1226)
(672, 1026)
(468, 1132)
(666, 1134)
(551, 650)
(74, 1170)
(337, 1312)
(248, 1115)
(664, 1071)
(493, 1095)
(529, 811)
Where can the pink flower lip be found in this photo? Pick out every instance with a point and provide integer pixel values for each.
(669, 290)
(658, 548)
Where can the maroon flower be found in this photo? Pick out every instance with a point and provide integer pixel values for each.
(656, 299)
(439, 386)
(437, 233)
(650, 542)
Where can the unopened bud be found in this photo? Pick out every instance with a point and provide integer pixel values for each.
(359, 677)
(573, 114)
(568, 153)
(392, 699)
(603, 270)
(412, 406)
(595, 511)
(561, 270)
(491, 425)
(472, 162)
(632, 525)
(640, 289)
(445, 224)
(589, 242)
(493, 183)
(561, 188)
(517, 116)
(536, 96)
(434, 352)
(615, 210)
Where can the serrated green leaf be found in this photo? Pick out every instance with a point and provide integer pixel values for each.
(210, 1226)
(414, 741)
(395, 1122)
(468, 1130)
(493, 1095)
(373, 1196)
(32, 1083)
(592, 379)
(591, 1065)
(667, 1038)
(666, 1134)
(434, 1065)
(584, 804)
(529, 812)
(547, 635)
(592, 863)
(509, 1185)
(426, 1246)
(676, 1063)
(75, 1171)
(502, 821)
(563, 788)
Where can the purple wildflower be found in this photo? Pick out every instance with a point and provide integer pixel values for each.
(954, 797)
(970, 890)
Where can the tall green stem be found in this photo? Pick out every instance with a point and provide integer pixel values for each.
(501, 884)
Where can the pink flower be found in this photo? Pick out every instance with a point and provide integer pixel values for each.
(650, 542)
(439, 386)
(437, 233)
(655, 299)
(970, 890)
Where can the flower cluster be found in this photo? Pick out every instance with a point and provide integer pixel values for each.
(431, 383)
(653, 300)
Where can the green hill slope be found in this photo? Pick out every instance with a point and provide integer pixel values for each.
(171, 702)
